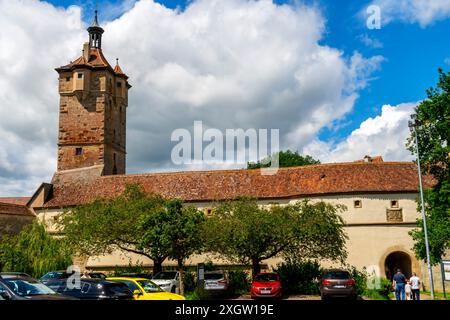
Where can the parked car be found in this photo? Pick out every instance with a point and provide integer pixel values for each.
(216, 282)
(59, 275)
(266, 285)
(145, 289)
(97, 275)
(337, 283)
(135, 275)
(92, 289)
(19, 287)
(168, 280)
(22, 274)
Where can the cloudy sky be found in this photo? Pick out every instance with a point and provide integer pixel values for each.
(312, 69)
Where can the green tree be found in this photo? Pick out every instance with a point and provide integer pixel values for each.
(106, 225)
(286, 158)
(247, 233)
(433, 133)
(179, 232)
(34, 251)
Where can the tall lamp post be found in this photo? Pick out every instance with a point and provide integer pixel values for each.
(412, 126)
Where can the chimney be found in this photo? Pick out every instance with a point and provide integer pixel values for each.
(86, 50)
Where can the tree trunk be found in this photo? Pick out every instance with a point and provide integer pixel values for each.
(181, 271)
(157, 265)
(256, 267)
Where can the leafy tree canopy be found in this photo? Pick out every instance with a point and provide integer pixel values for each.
(433, 133)
(286, 158)
(178, 231)
(106, 225)
(34, 251)
(247, 233)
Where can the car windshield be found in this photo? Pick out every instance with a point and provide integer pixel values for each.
(165, 275)
(149, 286)
(28, 287)
(117, 288)
(266, 277)
(337, 275)
(213, 276)
(54, 275)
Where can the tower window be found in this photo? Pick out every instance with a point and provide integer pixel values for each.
(357, 204)
(80, 75)
(78, 151)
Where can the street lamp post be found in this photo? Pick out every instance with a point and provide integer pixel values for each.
(412, 125)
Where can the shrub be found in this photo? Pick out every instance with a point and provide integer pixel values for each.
(379, 288)
(190, 281)
(360, 278)
(300, 277)
(238, 282)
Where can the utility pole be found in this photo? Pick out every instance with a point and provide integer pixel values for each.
(412, 126)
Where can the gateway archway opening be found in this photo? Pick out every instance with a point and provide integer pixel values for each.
(398, 260)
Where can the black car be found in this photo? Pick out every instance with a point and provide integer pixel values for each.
(63, 275)
(91, 289)
(19, 287)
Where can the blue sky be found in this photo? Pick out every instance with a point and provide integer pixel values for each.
(412, 53)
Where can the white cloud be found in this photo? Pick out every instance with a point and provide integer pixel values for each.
(370, 42)
(384, 135)
(231, 64)
(424, 12)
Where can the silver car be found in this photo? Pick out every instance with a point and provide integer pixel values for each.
(168, 281)
(216, 281)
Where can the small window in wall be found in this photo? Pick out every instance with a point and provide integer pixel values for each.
(357, 204)
(394, 204)
(80, 75)
(119, 84)
(67, 79)
(78, 151)
(208, 211)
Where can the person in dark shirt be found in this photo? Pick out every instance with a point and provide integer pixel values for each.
(398, 282)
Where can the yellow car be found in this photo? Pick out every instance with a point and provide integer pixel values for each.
(144, 289)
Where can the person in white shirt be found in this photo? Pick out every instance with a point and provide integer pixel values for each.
(415, 286)
(408, 291)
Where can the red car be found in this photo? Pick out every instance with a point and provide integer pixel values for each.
(266, 285)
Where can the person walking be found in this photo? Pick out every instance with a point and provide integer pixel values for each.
(415, 286)
(398, 283)
(408, 291)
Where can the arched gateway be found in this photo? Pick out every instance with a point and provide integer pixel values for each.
(398, 260)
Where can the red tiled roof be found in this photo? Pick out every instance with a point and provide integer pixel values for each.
(17, 200)
(118, 70)
(82, 186)
(96, 60)
(15, 209)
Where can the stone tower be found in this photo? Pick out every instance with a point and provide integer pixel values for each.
(92, 111)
